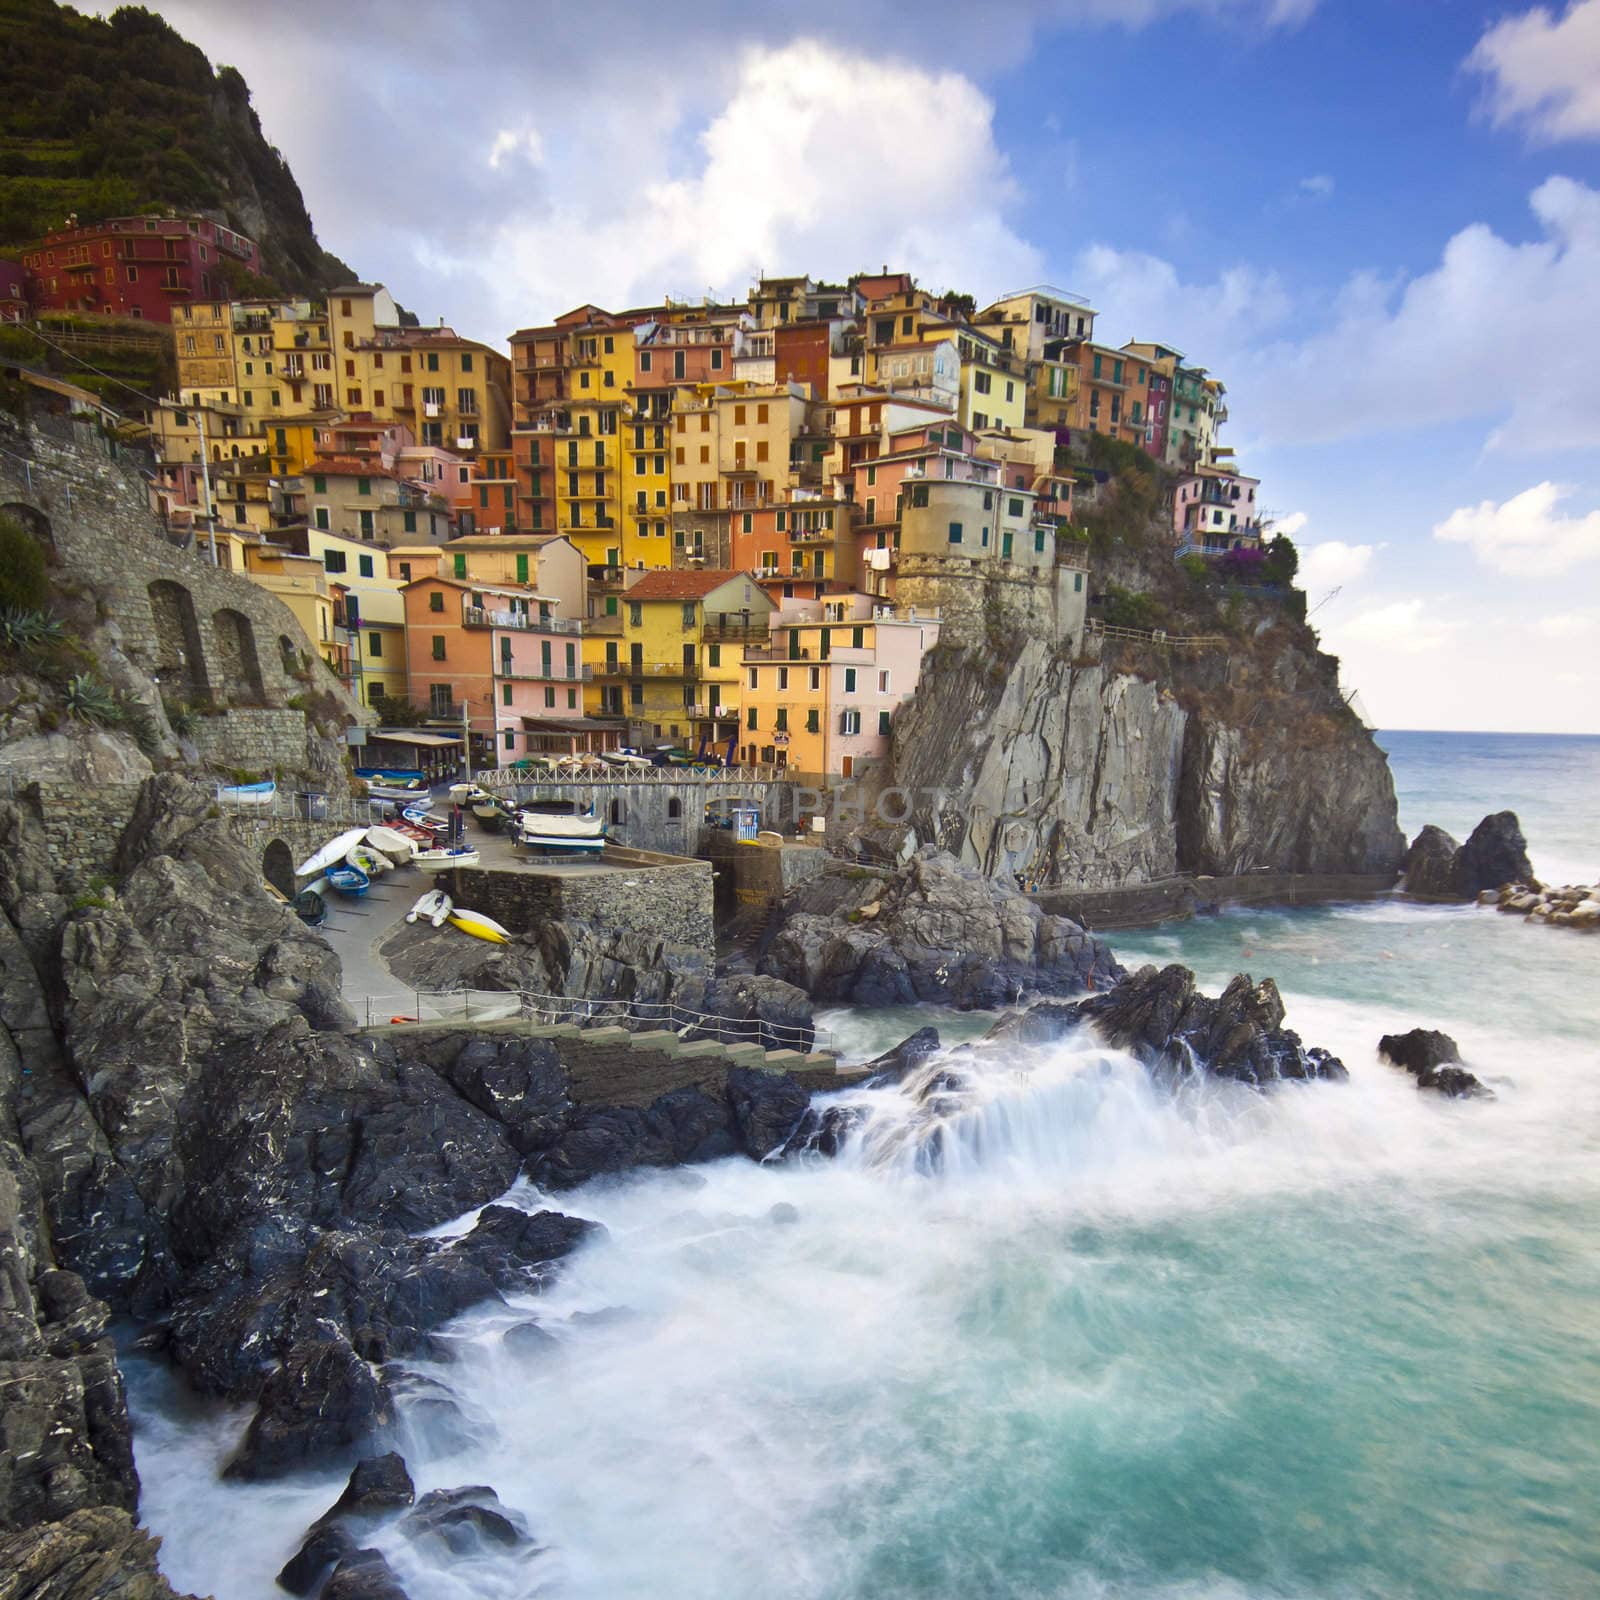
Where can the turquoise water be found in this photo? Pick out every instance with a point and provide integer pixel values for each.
(1340, 1341)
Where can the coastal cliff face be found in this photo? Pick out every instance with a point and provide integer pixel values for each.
(1143, 764)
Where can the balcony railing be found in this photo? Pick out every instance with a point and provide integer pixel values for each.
(482, 617)
(646, 669)
(734, 632)
(583, 674)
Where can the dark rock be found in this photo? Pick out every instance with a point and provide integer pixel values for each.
(325, 1547)
(911, 1052)
(1164, 1020)
(939, 932)
(1433, 1059)
(465, 1520)
(683, 1125)
(377, 1484)
(767, 1107)
(529, 1339)
(1431, 866)
(1495, 853)
(364, 1575)
(98, 1553)
(324, 1401)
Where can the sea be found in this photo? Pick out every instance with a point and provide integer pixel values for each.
(1069, 1333)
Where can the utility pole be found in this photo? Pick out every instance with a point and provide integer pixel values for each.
(205, 478)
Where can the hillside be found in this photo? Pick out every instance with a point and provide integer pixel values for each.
(105, 117)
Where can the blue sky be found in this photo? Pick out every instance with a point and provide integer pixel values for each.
(1378, 223)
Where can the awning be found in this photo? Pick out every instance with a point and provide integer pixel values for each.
(570, 725)
(415, 736)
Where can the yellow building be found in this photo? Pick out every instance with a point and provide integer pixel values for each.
(679, 657)
(994, 381)
(737, 447)
(304, 586)
(646, 482)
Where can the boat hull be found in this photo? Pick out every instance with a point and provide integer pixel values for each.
(444, 860)
(480, 926)
(333, 852)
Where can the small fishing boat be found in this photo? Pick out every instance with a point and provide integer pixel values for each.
(433, 907)
(311, 908)
(397, 846)
(443, 859)
(399, 793)
(351, 881)
(365, 859)
(417, 816)
(581, 835)
(247, 794)
(480, 926)
(490, 812)
(331, 854)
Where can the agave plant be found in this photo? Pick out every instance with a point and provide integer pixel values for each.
(90, 700)
(19, 628)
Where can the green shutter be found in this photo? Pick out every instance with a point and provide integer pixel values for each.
(522, 567)
(460, 564)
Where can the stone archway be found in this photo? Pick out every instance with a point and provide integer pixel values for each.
(277, 867)
(35, 521)
(237, 662)
(180, 657)
(289, 656)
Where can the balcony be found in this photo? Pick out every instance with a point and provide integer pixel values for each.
(603, 627)
(584, 674)
(813, 536)
(645, 669)
(781, 654)
(521, 621)
(735, 632)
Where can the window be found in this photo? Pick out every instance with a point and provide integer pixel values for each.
(688, 614)
(467, 402)
(320, 519)
(858, 638)
(783, 680)
(522, 567)
(713, 655)
(813, 721)
(981, 382)
(433, 361)
(366, 525)
(635, 613)
(782, 722)
(750, 718)
(1013, 507)
(510, 739)
(849, 722)
(333, 561)
(364, 566)
(644, 360)
(883, 724)
(408, 521)
(436, 600)
(849, 680)
(505, 694)
(374, 644)
(459, 562)
(919, 494)
(816, 679)
(1077, 583)
(438, 645)
(955, 533)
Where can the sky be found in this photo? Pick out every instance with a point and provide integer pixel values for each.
(1377, 223)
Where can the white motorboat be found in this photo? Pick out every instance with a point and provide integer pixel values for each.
(440, 859)
(397, 846)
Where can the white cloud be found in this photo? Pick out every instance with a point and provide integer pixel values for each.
(1568, 624)
(1331, 563)
(1405, 627)
(1525, 536)
(1293, 523)
(1400, 357)
(524, 142)
(1544, 72)
(1318, 184)
(764, 190)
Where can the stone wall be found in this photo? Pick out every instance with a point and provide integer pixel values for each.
(83, 827)
(974, 601)
(656, 896)
(1174, 899)
(763, 873)
(260, 740)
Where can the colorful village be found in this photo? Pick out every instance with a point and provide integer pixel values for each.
(693, 531)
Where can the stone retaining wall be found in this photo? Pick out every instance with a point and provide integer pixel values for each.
(659, 896)
(1142, 905)
(260, 740)
(83, 828)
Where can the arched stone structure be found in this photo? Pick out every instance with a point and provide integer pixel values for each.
(238, 667)
(277, 867)
(35, 521)
(180, 655)
(288, 656)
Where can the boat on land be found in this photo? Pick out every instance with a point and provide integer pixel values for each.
(490, 812)
(331, 854)
(480, 926)
(351, 881)
(417, 816)
(583, 834)
(365, 859)
(247, 794)
(442, 859)
(432, 907)
(311, 908)
(397, 846)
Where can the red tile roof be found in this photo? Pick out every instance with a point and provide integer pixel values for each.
(346, 467)
(690, 584)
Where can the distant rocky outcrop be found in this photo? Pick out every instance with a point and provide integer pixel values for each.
(1437, 868)
(934, 931)
(1434, 1060)
(1163, 1018)
(1575, 905)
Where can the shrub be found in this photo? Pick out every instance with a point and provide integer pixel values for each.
(1124, 609)
(1195, 567)
(1243, 566)
(179, 717)
(25, 629)
(24, 581)
(1282, 560)
(90, 700)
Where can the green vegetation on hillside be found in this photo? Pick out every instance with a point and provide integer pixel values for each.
(106, 117)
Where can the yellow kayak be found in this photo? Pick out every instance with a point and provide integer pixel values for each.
(480, 926)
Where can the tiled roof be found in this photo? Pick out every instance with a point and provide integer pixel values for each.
(690, 584)
(345, 467)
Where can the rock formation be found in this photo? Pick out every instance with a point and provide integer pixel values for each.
(1495, 854)
(1163, 1019)
(1575, 905)
(1434, 1060)
(936, 931)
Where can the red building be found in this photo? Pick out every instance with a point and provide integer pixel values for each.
(800, 352)
(13, 292)
(136, 266)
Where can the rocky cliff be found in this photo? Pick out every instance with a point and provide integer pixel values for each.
(1108, 760)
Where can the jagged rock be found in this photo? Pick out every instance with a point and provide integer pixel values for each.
(767, 1107)
(363, 1575)
(528, 1338)
(1495, 853)
(682, 1125)
(1164, 1020)
(1430, 865)
(942, 933)
(1434, 1060)
(465, 1520)
(377, 1484)
(95, 1554)
(323, 1402)
(325, 1547)
(911, 1052)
